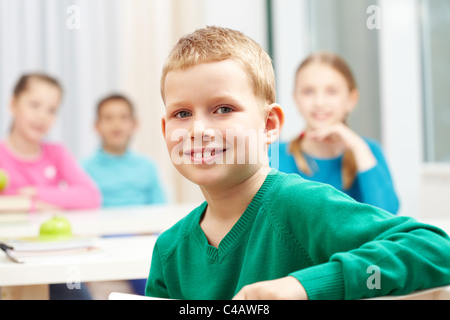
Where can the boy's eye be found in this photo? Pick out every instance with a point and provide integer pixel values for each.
(183, 114)
(34, 104)
(307, 91)
(224, 109)
(331, 91)
(53, 111)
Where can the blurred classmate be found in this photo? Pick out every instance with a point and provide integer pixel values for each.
(45, 172)
(124, 177)
(328, 150)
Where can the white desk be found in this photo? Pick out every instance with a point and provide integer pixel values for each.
(146, 219)
(123, 258)
(119, 258)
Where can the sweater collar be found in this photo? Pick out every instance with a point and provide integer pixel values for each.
(240, 227)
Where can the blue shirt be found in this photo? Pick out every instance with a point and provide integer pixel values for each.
(374, 186)
(125, 180)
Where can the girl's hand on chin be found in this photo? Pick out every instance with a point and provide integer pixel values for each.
(337, 133)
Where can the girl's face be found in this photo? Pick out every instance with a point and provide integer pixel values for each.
(323, 96)
(35, 109)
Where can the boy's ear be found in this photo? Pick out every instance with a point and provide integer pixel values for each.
(274, 122)
(163, 127)
(96, 126)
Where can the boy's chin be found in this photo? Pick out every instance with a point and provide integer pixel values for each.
(216, 176)
(202, 175)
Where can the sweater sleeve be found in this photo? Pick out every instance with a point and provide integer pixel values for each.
(376, 185)
(348, 242)
(78, 190)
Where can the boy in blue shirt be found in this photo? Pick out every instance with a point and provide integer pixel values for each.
(124, 177)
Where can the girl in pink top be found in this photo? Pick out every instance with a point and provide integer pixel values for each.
(45, 172)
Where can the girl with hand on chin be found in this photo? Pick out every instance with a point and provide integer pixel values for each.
(43, 172)
(328, 150)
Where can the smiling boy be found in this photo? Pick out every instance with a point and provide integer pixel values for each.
(262, 234)
(124, 177)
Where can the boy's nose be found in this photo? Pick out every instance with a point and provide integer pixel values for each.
(201, 133)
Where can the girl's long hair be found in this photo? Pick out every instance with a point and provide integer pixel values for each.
(349, 168)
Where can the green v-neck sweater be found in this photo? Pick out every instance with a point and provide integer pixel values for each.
(336, 247)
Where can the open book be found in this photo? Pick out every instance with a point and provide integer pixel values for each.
(27, 250)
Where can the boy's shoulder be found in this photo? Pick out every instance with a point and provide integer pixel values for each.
(296, 195)
(292, 185)
(130, 156)
(140, 159)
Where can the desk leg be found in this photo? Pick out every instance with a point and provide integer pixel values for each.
(35, 292)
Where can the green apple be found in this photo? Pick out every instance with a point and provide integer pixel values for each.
(55, 229)
(4, 179)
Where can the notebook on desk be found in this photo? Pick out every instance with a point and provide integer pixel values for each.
(10, 204)
(30, 250)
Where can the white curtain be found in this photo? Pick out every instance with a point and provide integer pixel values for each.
(37, 35)
(94, 48)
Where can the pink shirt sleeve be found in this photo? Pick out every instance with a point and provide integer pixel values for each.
(78, 190)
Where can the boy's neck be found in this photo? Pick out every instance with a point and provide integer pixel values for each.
(226, 205)
(114, 150)
(22, 147)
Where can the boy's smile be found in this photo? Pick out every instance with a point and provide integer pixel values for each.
(210, 110)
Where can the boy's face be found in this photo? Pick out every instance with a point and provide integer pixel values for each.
(214, 124)
(115, 124)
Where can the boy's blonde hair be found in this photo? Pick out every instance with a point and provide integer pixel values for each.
(214, 44)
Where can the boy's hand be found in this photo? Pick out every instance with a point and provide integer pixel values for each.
(287, 288)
